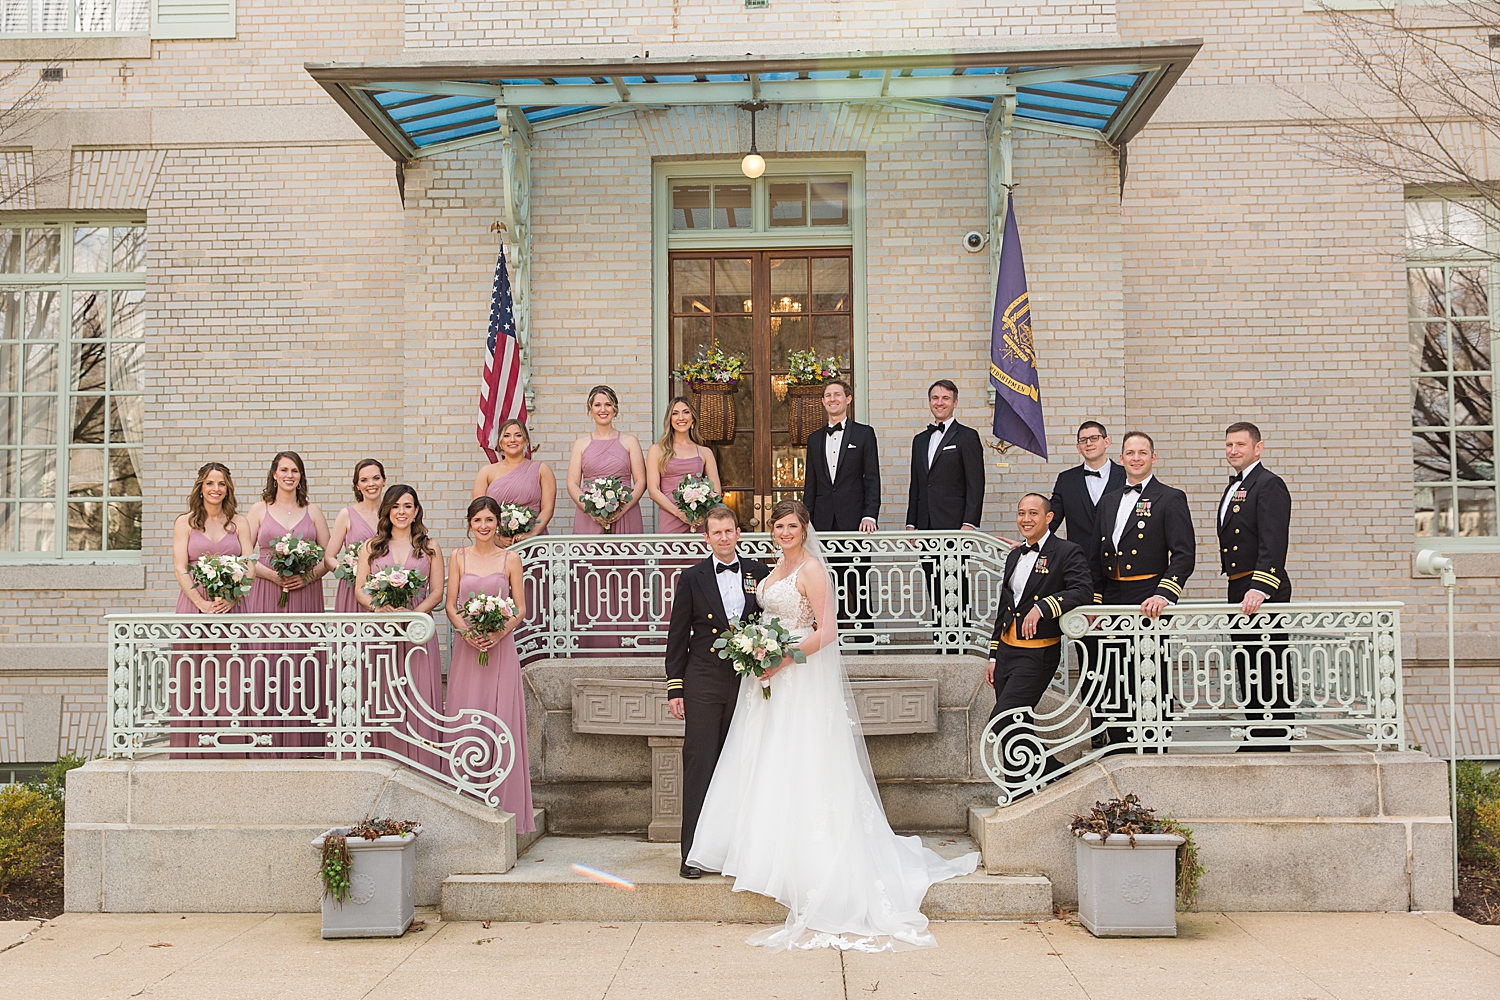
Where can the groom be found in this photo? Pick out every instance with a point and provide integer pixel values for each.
(701, 688)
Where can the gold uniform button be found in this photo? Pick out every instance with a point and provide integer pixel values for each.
(1140, 536)
(710, 616)
(1132, 551)
(716, 631)
(1127, 565)
(1236, 548)
(1236, 531)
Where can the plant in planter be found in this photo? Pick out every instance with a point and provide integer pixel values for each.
(372, 867)
(713, 378)
(1127, 860)
(806, 376)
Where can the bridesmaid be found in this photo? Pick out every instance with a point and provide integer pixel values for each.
(354, 525)
(210, 513)
(606, 451)
(496, 688)
(518, 479)
(401, 540)
(284, 507)
(679, 454)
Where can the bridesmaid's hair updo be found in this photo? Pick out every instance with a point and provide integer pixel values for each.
(614, 400)
(478, 504)
(668, 435)
(787, 507)
(198, 507)
(515, 422)
(361, 466)
(380, 545)
(269, 493)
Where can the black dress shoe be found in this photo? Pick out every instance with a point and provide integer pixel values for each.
(688, 871)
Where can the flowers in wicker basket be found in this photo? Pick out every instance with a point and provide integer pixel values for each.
(516, 519)
(695, 496)
(222, 577)
(486, 613)
(806, 368)
(602, 499)
(395, 587)
(757, 645)
(348, 563)
(293, 555)
(711, 365)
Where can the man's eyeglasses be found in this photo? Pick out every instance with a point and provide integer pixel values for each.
(1091, 439)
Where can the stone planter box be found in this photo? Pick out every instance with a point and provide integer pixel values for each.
(382, 887)
(1126, 891)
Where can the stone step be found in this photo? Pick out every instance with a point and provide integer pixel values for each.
(543, 886)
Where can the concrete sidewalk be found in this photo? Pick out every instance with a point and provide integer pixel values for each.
(1265, 956)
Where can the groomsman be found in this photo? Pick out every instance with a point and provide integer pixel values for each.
(1045, 578)
(1076, 495)
(1255, 522)
(702, 688)
(1145, 555)
(842, 493)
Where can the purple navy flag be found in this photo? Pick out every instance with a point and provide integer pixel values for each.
(1018, 397)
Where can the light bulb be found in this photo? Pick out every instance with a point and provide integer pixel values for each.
(753, 165)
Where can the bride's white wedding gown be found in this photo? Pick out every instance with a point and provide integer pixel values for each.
(793, 812)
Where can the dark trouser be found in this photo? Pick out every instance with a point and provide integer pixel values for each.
(1118, 693)
(1022, 674)
(706, 717)
(1265, 697)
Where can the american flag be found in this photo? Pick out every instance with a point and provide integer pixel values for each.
(500, 395)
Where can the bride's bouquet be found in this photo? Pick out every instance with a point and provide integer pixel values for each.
(486, 613)
(757, 645)
(228, 577)
(602, 498)
(695, 497)
(515, 519)
(394, 587)
(293, 555)
(348, 563)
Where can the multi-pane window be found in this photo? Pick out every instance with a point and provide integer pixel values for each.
(789, 202)
(1450, 279)
(70, 17)
(72, 351)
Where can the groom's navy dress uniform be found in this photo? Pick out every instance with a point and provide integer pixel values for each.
(707, 685)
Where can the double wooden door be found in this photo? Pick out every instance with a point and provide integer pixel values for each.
(761, 305)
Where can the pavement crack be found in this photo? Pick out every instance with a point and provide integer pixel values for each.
(1467, 940)
(407, 957)
(844, 974)
(1053, 949)
(1286, 962)
(623, 956)
(111, 951)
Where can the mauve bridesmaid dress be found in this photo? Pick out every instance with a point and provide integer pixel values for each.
(219, 690)
(495, 688)
(359, 531)
(303, 691)
(677, 470)
(521, 485)
(424, 673)
(609, 597)
(607, 458)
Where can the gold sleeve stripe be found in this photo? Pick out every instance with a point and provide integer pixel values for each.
(1098, 598)
(673, 683)
(1173, 587)
(1261, 576)
(1055, 606)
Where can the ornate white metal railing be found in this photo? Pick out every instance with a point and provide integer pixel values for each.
(330, 686)
(907, 590)
(1206, 677)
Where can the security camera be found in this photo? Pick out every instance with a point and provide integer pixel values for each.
(974, 241)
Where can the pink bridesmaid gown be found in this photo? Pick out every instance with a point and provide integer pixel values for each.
(521, 486)
(678, 469)
(495, 688)
(359, 531)
(423, 673)
(205, 690)
(302, 691)
(607, 458)
(610, 598)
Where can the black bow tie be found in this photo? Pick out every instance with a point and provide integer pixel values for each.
(935, 427)
(1030, 548)
(1094, 472)
(733, 567)
(1136, 488)
(1236, 477)
(836, 428)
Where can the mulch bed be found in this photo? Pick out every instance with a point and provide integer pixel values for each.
(39, 897)
(1478, 893)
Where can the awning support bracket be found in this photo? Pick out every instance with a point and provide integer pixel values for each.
(999, 142)
(515, 145)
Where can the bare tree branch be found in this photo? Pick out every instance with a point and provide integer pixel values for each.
(19, 120)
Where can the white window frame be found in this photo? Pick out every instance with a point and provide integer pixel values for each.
(72, 21)
(65, 281)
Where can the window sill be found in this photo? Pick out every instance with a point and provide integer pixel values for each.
(73, 576)
(71, 48)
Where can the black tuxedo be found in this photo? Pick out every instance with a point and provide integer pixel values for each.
(1074, 507)
(706, 684)
(840, 502)
(950, 493)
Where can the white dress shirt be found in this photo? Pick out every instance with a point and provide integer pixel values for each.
(731, 589)
(832, 442)
(936, 440)
(1096, 484)
(1232, 489)
(1024, 566)
(1127, 508)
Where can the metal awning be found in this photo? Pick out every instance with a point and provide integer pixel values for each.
(414, 109)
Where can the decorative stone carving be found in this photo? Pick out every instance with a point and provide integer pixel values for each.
(666, 789)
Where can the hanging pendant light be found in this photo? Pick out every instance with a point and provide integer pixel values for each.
(753, 165)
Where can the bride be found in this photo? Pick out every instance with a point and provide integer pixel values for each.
(793, 812)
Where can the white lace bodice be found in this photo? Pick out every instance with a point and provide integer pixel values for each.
(786, 602)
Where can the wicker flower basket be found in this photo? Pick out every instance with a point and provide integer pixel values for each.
(805, 411)
(715, 404)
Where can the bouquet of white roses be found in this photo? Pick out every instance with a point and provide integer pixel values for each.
(348, 560)
(293, 555)
(757, 645)
(394, 587)
(602, 498)
(228, 577)
(695, 496)
(516, 519)
(486, 613)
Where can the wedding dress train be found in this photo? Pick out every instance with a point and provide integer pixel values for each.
(793, 812)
